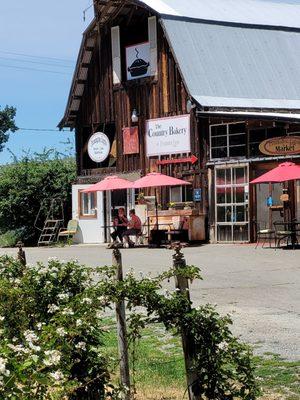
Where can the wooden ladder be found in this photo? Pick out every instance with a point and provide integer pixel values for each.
(49, 232)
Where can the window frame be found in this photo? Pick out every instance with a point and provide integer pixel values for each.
(92, 212)
(228, 136)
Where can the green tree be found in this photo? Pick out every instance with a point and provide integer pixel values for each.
(7, 124)
(29, 183)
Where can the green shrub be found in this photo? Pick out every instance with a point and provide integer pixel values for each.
(29, 183)
(10, 238)
(50, 333)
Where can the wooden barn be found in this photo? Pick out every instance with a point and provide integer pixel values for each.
(189, 89)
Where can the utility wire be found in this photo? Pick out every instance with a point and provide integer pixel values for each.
(35, 69)
(42, 130)
(36, 62)
(34, 56)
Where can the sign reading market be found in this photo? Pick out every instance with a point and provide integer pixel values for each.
(286, 145)
(168, 136)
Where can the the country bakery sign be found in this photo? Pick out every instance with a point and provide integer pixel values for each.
(284, 146)
(168, 136)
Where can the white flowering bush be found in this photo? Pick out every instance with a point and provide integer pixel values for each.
(50, 333)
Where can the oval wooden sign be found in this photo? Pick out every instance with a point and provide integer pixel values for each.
(281, 146)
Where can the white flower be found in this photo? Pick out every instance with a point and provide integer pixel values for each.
(87, 300)
(63, 296)
(223, 345)
(3, 370)
(81, 346)
(52, 357)
(39, 325)
(34, 347)
(78, 322)
(68, 311)
(52, 259)
(61, 331)
(2, 319)
(52, 308)
(30, 336)
(57, 375)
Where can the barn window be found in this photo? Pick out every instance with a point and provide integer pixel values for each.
(228, 140)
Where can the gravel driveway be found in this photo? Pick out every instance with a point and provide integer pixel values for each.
(259, 288)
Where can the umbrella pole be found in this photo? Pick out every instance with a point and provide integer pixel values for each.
(156, 208)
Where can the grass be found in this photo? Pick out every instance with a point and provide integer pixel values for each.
(160, 368)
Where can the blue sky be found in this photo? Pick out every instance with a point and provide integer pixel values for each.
(47, 32)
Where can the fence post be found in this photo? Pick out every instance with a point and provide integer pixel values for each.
(187, 340)
(121, 327)
(21, 254)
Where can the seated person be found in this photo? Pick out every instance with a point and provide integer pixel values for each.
(134, 227)
(120, 225)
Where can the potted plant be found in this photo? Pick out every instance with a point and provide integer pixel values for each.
(171, 205)
(141, 198)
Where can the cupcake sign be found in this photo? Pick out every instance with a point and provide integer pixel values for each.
(138, 61)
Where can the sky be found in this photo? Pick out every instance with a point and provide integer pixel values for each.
(39, 43)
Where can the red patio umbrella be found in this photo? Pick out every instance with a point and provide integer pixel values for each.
(109, 183)
(155, 179)
(287, 171)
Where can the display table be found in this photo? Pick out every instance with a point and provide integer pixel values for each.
(191, 220)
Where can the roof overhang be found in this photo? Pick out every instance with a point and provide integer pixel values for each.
(80, 76)
(280, 116)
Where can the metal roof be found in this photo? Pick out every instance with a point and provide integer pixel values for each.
(237, 67)
(293, 117)
(254, 12)
(232, 54)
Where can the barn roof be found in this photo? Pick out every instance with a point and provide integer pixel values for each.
(237, 66)
(232, 54)
(255, 12)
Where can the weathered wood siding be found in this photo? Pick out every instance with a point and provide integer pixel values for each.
(105, 104)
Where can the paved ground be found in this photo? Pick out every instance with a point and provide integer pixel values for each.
(260, 288)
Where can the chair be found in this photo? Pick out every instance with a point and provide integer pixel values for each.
(265, 233)
(70, 231)
(282, 231)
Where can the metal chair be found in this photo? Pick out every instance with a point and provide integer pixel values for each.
(282, 231)
(70, 231)
(265, 233)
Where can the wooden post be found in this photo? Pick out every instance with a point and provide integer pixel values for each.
(121, 328)
(187, 340)
(21, 254)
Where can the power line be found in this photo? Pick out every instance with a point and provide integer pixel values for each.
(35, 69)
(42, 130)
(34, 56)
(36, 62)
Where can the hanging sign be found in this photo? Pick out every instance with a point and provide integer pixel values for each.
(131, 140)
(98, 147)
(138, 61)
(281, 146)
(168, 136)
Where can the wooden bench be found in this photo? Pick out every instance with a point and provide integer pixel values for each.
(174, 225)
